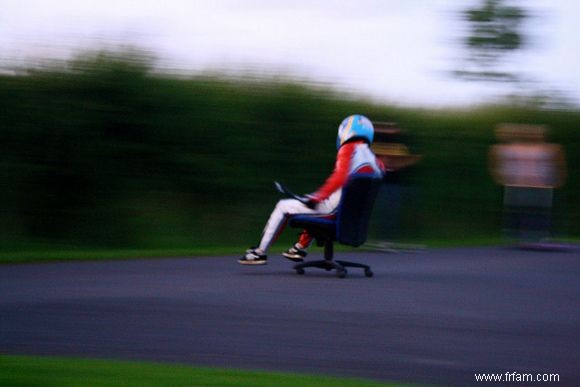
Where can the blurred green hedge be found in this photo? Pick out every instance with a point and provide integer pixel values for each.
(102, 151)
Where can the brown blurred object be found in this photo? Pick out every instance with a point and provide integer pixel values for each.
(529, 169)
(389, 147)
(525, 159)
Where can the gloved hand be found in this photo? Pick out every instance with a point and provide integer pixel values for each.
(309, 201)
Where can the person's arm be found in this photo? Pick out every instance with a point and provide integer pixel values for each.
(339, 176)
(381, 164)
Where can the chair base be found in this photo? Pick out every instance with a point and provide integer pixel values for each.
(329, 264)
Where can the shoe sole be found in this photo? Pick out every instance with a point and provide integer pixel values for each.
(293, 259)
(253, 262)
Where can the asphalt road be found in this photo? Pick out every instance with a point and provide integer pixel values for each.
(436, 316)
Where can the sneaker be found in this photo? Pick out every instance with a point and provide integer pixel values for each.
(253, 258)
(295, 254)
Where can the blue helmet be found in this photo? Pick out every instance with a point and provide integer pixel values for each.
(355, 126)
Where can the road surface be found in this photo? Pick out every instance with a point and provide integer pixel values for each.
(435, 316)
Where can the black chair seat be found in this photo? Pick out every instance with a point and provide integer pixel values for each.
(318, 228)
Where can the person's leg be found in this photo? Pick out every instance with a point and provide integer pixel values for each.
(278, 220)
(298, 251)
(284, 209)
(304, 240)
(276, 223)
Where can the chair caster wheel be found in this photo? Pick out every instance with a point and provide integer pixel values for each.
(300, 271)
(369, 273)
(341, 273)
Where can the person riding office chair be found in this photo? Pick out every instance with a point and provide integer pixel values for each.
(354, 156)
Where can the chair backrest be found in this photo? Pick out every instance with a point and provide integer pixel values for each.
(356, 205)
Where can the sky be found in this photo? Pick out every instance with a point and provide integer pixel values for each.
(393, 51)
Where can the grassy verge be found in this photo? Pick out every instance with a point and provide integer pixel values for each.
(64, 255)
(49, 371)
(61, 254)
(52, 254)
(75, 255)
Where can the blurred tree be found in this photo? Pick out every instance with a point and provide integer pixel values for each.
(494, 32)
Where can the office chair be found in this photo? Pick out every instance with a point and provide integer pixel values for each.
(349, 227)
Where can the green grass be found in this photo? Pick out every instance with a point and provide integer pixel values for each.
(77, 254)
(71, 255)
(60, 254)
(472, 241)
(51, 254)
(54, 371)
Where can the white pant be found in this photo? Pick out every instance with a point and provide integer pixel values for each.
(286, 208)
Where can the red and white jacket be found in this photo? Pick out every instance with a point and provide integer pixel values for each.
(352, 157)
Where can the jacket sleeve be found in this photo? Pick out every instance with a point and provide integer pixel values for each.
(381, 164)
(340, 174)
